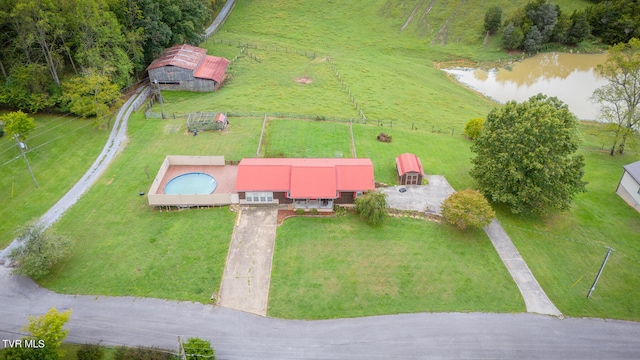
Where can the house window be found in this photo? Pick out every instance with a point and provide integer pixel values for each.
(358, 193)
(255, 196)
(248, 196)
(638, 191)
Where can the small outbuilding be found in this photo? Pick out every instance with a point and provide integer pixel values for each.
(629, 186)
(186, 67)
(410, 170)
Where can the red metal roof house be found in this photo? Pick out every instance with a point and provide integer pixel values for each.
(306, 183)
(186, 67)
(410, 170)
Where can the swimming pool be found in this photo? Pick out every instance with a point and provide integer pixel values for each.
(190, 184)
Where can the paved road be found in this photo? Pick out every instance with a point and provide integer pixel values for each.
(238, 335)
(247, 272)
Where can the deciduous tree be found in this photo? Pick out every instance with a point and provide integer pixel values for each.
(493, 19)
(619, 99)
(46, 334)
(525, 156)
(18, 124)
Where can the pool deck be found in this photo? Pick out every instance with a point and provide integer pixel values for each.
(225, 176)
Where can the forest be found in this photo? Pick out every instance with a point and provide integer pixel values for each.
(77, 55)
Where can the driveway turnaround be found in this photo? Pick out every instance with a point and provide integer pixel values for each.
(534, 297)
(237, 335)
(247, 273)
(427, 198)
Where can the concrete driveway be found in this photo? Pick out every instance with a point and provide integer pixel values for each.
(419, 198)
(247, 273)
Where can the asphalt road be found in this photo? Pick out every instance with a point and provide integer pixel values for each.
(238, 335)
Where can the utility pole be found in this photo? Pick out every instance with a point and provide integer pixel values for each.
(21, 145)
(593, 287)
(160, 97)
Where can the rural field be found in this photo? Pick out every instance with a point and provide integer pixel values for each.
(327, 62)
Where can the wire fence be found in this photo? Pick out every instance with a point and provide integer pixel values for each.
(282, 49)
(347, 90)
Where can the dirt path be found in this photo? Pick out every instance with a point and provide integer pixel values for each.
(247, 272)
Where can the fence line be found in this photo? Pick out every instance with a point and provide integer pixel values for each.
(285, 49)
(353, 141)
(250, 54)
(347, 90)
(264, 124)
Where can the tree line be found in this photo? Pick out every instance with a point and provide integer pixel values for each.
(76, 55)
(541, 22)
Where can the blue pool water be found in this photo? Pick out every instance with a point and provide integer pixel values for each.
(191, 183)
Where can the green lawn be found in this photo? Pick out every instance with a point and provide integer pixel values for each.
(124, 247)
(306, 139)
(62, 149)
(342, 267)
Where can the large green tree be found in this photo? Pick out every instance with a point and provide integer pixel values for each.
(18, 124)
(39, 251)
(372, 207)
(46, 336)
(525, 156)
(619, 99)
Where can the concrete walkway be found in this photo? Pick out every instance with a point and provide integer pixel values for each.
(247, 273)
(534, 297)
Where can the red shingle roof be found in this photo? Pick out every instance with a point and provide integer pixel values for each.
(305, 178)
(193, 58)
(408, 163)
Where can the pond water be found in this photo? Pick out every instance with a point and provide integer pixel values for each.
(569, 77)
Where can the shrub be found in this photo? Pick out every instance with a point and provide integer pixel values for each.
(198, 349)
(300, 211)
(141, 353)
(372, 207)
(39, 251)
(467, 208)
(474, 127)
(314, 211)
(90, 352)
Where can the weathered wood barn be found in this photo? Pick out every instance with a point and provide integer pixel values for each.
(410, 170)
(305, 183)
(629, 186)
(186, 67)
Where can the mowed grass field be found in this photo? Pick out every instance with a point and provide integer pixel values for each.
(61, 150)
(124, 247)
(342, 267)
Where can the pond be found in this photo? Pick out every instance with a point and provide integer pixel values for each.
(569, 77)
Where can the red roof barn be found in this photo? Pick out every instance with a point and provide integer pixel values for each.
(307, 183)
(186, 67)
(410, 170)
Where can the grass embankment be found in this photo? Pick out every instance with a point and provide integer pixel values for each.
(62, 149)
(124, 247)
(342, 267)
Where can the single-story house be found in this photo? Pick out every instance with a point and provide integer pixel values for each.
(629, 186)
(186, 67)
(410, 170)
(305, 183)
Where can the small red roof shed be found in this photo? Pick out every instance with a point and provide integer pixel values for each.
(410, 170)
